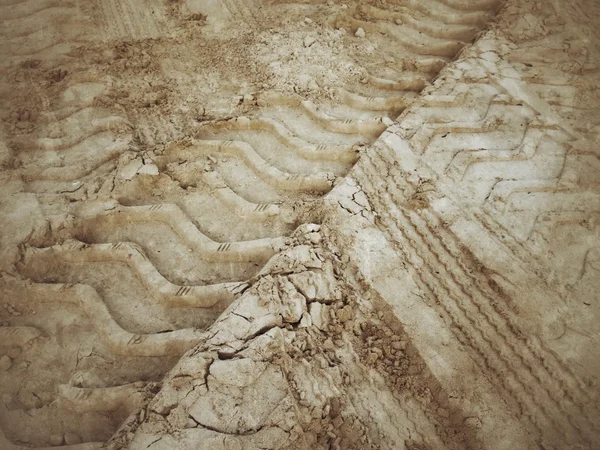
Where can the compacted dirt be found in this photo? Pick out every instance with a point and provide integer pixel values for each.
(262, 224)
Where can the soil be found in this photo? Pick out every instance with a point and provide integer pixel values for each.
(262, 224)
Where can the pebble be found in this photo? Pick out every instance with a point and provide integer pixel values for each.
(312, 85)
(315, 238)
(55, 440)
(308, 41)
(308, 20)
(5, 363)
(360, 33)
(148, 169)
(14, 352)
(191, 423)
(72, 439)
(129, 170)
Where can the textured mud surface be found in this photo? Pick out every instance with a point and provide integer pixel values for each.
(249, 224)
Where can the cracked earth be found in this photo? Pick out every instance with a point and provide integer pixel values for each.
(268, 224)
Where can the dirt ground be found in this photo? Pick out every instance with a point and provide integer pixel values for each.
(266, 224)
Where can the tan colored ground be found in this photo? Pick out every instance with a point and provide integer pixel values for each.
(247, 224)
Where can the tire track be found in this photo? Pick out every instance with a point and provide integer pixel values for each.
(288, 152)
(520, 162)
(463, 322)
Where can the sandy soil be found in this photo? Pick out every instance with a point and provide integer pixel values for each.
(261, 224)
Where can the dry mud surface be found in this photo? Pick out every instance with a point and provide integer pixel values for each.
(262, 224)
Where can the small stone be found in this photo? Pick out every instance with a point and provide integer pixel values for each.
(191, 423)
(345, 314)
(398, 21)
(317, 316)
(328, 344)
(56, 440)
(148, 169)
(315, 238)
(360, 33)
(5, 363)
(14, 352)
(473, 422)
(308, 41)
(304, 81)
(306, 321)
(129, 170)
(72, 439)
(399, 345)
(308, 20)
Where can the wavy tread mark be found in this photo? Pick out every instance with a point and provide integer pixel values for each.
(17, 336)
(357, 101)
(127, 19)
(242, 9)
(77, 169)
(414, 83)
(319, 182)
(70, 186)
(46, 40)
(464, 161)
(548, 221)
(444, 13)
(372, 127)
(130, 397)
(30, 8)
(504, 191)
(87, 128)
(431, 28)
(472, 5)
(6, 445)
(175, 218)
(441, 145)
(134, 257)
(469, 102)
(28, 25)
(121, 342)
(441, 48)
(254, 212)
(302, 148)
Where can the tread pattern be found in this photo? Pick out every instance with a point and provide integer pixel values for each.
(289, 151)
(499, 155)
